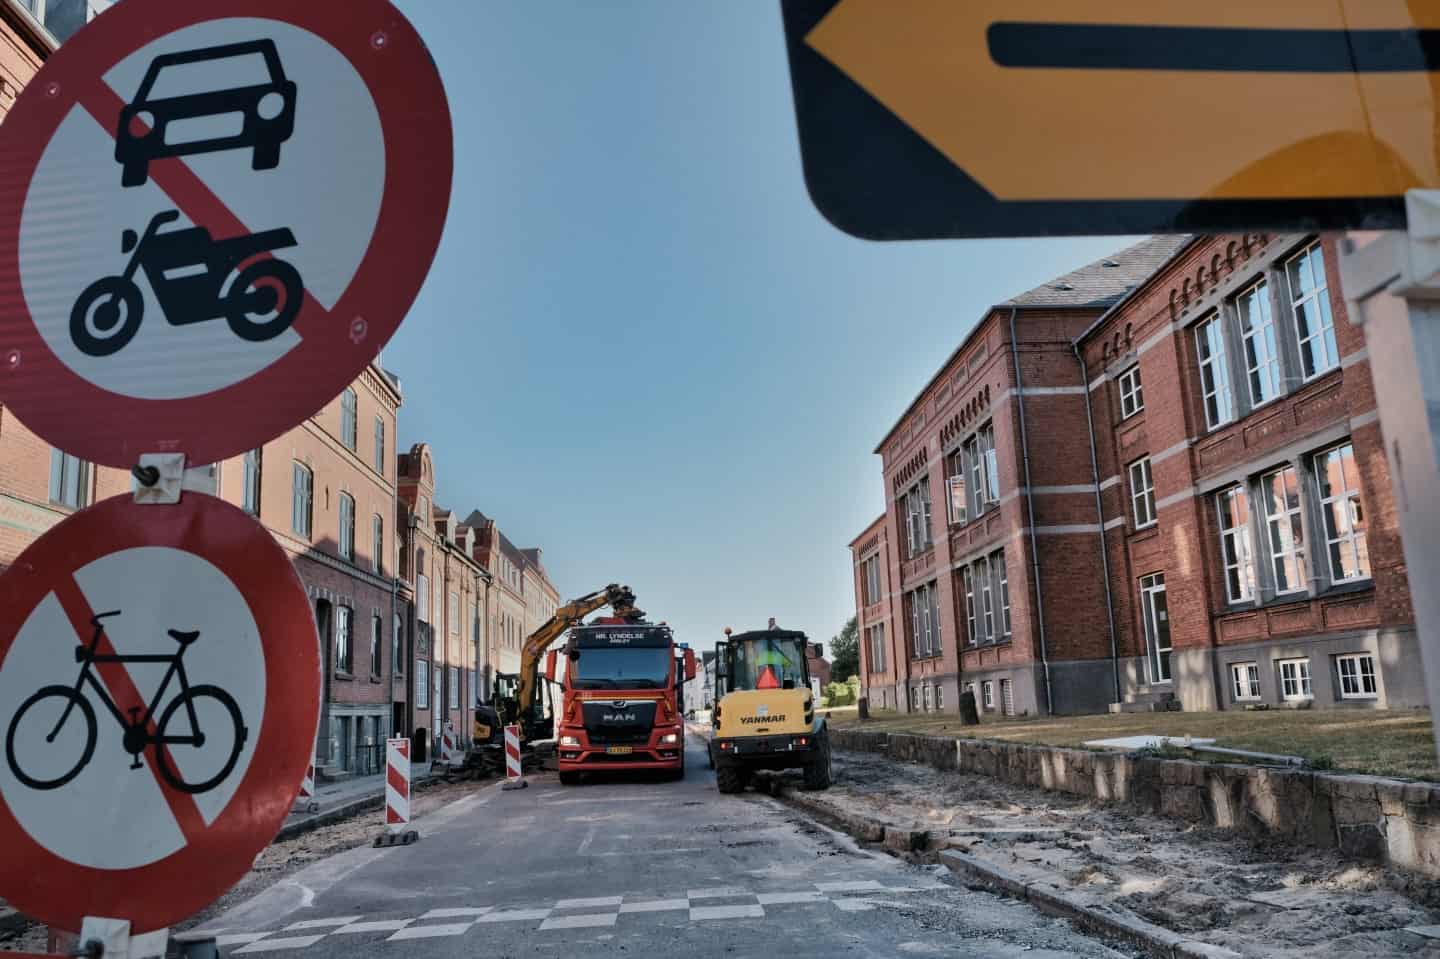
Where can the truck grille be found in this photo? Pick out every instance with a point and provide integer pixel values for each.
(608, 724)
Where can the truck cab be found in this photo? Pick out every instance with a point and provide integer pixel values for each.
(621, 700)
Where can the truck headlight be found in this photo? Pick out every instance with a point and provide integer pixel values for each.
(570, 741)
(669, 739)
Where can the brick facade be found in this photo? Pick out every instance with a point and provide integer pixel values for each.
(1021, 613)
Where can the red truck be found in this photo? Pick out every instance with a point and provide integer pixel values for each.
(621, 705)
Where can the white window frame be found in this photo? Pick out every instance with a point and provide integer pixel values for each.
(1236, 555)
(870, 579)
(1132, 395)
(917, 518)
(1007, 698)
(972, 627)
(251, 468)
(1259, 344)
(302, 478)
(422, 684)
(377, 543)
(344, 640)
(987, 691)
(1319, 295)
(1214, 368)
(956, 491)
(377, 646)
(422, 597)
(1245, 682)
(927, 687)
(997, 562)
(939, 699)
(1284, 530)
(347, 526)
(1359, 674)
(1295, 673)
(349, 419)
(1142, 493)
(987, 597)
(452, 679)
(70, 473)
(1348, 500)
(1151, 585)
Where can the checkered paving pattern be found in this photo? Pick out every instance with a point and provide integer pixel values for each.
(697, 905)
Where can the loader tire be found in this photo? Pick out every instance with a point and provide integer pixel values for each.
(569, 779)
(731, 779)
(819, 774)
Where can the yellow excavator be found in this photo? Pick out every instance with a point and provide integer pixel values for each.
(517, 697)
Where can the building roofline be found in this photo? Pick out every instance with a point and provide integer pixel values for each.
(939, 372)
(1140, 287)
(877, 521)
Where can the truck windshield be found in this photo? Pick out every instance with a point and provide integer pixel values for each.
(635, 667)
(768, 664)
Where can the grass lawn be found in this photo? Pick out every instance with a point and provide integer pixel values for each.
(1380, 742)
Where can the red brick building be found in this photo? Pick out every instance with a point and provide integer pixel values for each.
(1250, 526)
(1049, 572)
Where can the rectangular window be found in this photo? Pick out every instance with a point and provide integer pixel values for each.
(1295, 679)
(377, 544)
(1132, 398)
(250, 485)
(997, 568)
(347, 527)
(1245, 681)
(453, 677)
(1155, 611)
(453, 611)
(422, 598)
(924, 615)
(987, 600)
(870, 579)
(348, 425)
(975, 460)
(1284, 532)
(1310, 299)
(992, 465)
(1344, 516)
(972, 628)
(1142, 492)
(377, 645)
(1233, 510)
(955, 502)
(877, 647)
(1357, 676)
(987, 689)
(1257, 332)
(380, 446)
(69, 480)
(1007, 698)
(344, 639)
(397, 645)
(917, 518)
(1214, 374)
(926, 689)
(939, 698)
(302, 498)
(422, 684)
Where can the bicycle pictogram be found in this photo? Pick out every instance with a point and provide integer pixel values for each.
(45, 714)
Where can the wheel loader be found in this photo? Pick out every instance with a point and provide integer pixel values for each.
(764, 716)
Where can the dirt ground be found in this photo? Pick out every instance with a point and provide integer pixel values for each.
(1262, 899)
(282, 859)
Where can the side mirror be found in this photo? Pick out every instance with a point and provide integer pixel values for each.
(550, 658)
(689, 664)
(128, 240)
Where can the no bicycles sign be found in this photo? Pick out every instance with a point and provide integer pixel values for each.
(212, 217)
(159, 697)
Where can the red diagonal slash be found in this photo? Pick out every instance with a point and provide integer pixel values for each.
(190, 194)
(126, 696)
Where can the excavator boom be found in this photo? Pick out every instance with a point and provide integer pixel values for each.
(621, 599)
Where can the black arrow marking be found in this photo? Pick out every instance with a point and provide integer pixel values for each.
(1085, 46)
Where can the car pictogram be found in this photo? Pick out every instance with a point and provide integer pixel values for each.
(227, 97)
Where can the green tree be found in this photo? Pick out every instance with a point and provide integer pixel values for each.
(845, 652)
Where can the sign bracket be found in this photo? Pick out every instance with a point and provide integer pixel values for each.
(1391, 282)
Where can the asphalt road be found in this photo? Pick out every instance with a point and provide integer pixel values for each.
(631, 867)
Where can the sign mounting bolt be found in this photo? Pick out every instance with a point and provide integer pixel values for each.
(52, 89)
(359, 329)
(12, 359)
(380, 40)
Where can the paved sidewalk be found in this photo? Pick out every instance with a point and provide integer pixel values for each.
(341, 798)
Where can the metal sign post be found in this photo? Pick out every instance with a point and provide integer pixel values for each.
(1392, 281)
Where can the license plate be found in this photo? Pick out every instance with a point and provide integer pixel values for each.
(620, 750)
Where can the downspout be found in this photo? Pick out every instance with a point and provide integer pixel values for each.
(1100, 519)
(1030, 511)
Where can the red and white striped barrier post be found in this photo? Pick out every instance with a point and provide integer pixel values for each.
(306, 800)
(450, 754)
(397, 794)
(514, 778)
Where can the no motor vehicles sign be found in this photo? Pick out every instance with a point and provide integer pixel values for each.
(159, 697)
(214, 215)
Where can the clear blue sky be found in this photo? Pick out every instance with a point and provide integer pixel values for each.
(641, 348)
